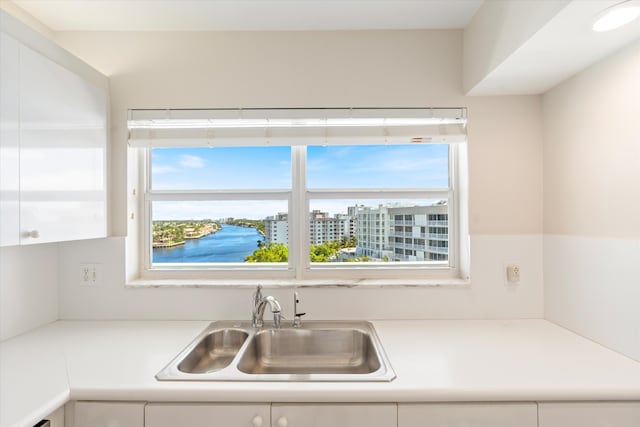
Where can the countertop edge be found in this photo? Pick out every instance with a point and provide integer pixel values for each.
(80, 382)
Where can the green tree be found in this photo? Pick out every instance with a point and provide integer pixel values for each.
(274, 252)
(324, 252)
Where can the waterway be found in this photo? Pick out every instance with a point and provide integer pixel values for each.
(232, 243)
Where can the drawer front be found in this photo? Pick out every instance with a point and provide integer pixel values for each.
(590, 414)
(108, 414)
(468, 415)
(334, 415)
(207, 415)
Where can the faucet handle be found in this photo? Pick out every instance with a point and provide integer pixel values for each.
(296, 315)
(257, 295)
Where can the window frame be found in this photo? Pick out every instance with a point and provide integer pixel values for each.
(299, 269)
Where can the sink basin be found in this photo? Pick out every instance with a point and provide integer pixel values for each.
(318, 351)
(310, 351)
(213, 352)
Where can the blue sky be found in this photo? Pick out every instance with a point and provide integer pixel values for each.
(393, 166)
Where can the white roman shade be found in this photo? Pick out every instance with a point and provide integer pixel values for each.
(288, 127)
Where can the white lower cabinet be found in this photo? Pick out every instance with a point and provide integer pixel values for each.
(468, 415)
(56, 418)
(105, 414)
(522, 414)
(589, 414)
(334, 415)
(207, 415)
(266, 415)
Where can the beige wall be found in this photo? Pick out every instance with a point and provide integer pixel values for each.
(592, 202)
(592, 150)
(318, 69)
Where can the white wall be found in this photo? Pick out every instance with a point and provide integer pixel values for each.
(486, 298)
(312, 69)
(592, 202)
(28, 288)
(497, 30)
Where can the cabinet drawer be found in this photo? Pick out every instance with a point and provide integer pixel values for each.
(108, 414)
(590, 414)
(207, 415)
(334, 415)
(468, 415)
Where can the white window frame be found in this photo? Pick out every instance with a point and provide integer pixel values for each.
(299, 270)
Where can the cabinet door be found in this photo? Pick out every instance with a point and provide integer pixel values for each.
(9, 141)
(207, 415)
(334, 415)
(56, 418)
(107, 414)
(590, 414)
(62, 153)
(468, 415)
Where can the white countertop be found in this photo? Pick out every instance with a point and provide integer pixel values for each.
(453, 360)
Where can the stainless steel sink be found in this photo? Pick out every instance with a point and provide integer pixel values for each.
(318, 351)
(310, 351)
(213, 352)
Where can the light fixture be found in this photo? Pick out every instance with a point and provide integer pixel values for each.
(617, 15)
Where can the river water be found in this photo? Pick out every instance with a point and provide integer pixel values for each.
(230, 244)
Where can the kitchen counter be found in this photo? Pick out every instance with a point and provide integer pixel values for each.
(452, 360)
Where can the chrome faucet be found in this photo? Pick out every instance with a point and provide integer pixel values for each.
(259, 304)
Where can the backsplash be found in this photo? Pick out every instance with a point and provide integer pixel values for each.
(487, 297)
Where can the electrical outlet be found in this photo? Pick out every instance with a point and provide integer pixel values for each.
(90, 274)
(512, 274)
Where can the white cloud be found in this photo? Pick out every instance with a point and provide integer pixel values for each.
(158, 170)
(192, 162)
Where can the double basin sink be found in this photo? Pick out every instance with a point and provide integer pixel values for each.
(317, 351)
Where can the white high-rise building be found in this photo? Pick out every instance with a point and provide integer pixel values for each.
(276, 228)
(404, 233)
(384, 233)
(322, 227)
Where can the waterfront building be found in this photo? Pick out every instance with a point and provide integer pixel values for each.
(391, 232)
(404, 233)
(276, 228)
(373, 225)
(322, 227)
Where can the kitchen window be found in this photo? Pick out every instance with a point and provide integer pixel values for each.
(301, 195)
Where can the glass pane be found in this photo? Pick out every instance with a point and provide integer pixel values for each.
(219, 232)
(379, 230)
(220, 168)
(378, 166)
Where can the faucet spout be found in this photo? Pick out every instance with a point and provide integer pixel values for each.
(260, 304)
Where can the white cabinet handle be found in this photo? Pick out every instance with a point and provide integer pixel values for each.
(282, 422)
(257, 421)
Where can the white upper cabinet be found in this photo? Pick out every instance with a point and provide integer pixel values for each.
(62, 153)
(54, 142)
(9, 141)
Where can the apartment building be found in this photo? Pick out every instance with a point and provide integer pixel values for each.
(276, 228)
(323, 227)
(404, 233)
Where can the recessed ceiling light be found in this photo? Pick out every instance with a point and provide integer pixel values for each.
(617, 15)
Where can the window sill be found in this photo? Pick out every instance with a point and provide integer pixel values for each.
(358, 283)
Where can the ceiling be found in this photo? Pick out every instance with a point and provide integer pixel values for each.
(563, 46)
(249, 15)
